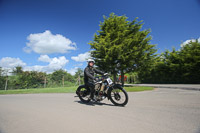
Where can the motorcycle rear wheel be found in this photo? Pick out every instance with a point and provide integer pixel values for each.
(84, 94)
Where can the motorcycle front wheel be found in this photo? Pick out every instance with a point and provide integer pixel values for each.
(118, 96)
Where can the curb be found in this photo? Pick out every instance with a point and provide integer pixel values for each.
(172, 87)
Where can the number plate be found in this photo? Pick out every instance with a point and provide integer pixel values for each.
(109, 81)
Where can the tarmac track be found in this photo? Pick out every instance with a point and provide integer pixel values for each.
(159, 111)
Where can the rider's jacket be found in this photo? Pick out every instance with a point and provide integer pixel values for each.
(89, 74)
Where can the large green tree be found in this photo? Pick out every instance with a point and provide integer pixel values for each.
(121, 46)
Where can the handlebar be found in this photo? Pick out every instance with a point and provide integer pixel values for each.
(105, 74)
(100, 78)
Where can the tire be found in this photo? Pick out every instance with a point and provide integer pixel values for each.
(116, 96)
(83, 94)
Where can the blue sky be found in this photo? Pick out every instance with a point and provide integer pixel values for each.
(38, 22)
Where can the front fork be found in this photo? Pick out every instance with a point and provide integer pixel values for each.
(111, 88)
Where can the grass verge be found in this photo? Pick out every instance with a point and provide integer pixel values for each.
(40, 90)
(138, 88)
(63, 90)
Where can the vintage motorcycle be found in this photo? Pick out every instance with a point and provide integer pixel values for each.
(104, 88)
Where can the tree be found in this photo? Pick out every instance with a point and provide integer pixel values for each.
(17, 70)
(2, 78)
(190, 58)
(59, 76)
(121, 45)
(78, 75)
(31, 79)
(181, 66)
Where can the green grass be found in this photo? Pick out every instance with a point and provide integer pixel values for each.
(63, 90)
(41, 90)
(138, 88)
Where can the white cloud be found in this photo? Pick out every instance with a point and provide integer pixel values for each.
(54, 64)
(44, 58)
(9, 62)
(58, 63)
(73, 71)
(47, 43)
(81, 57)
(187, 41)
(35, 68)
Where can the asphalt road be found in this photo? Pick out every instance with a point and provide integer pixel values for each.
(159, 111)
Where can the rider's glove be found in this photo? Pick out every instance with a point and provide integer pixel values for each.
(96, 79)
(105, 74)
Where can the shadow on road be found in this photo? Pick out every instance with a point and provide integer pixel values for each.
(198, 131)
(96, 103)
(1, 131)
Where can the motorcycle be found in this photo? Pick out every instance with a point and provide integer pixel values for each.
(104, 88)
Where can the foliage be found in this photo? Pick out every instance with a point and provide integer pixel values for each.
(120, 45)
(79, 73)
(2, 78)
(58, 75)
(32, 79)
(132, 77)
(17, 70)
(79, 76)
(180, 66)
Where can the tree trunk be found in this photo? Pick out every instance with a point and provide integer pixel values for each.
(122, 77)
(115, 78)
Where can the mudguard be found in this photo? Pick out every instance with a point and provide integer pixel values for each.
(78, 89)
(117, 86)
(81, 86)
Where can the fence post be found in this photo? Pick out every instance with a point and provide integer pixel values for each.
(6, 84)
(45, 81)
(63, 81)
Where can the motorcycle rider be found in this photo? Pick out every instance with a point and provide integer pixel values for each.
(89, 76)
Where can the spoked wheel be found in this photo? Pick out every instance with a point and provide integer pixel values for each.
(119, 96)
(84, 94)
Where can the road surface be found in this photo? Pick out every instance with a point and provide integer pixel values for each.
(159, 111)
